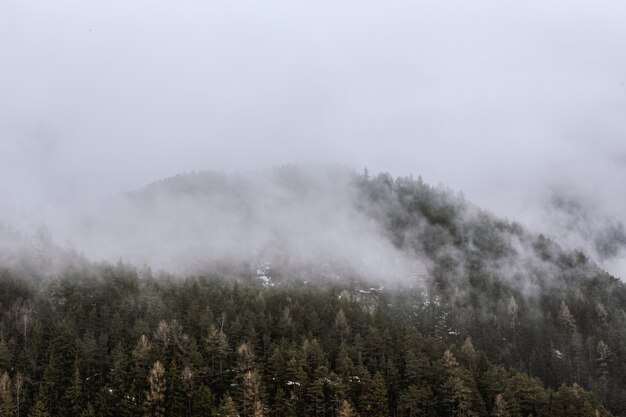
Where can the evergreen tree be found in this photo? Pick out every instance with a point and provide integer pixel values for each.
(283, 406)
(7, 404)
(141, 357)
(376, 402)
(19, 389)
(203, 403)
(416, 401)
(73, 400)
(227, 408)
(39, 409)
(217, 348)
(500, 407)
(347, 410)
(89, 411)
(5, 356)
(154, 403)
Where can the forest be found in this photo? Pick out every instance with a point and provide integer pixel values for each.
(111, 343)
(503, 322)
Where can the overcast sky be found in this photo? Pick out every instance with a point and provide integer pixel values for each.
(500, 99)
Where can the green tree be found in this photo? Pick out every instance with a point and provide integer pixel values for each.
(73, 399)
(227, 408)
(376, 401)
(39, 409)
(416, 401)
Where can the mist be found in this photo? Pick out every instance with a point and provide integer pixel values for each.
(513, 104)
(300, 222)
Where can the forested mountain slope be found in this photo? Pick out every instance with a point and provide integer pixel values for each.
(413, 268)
(458, 271)
(106, 342)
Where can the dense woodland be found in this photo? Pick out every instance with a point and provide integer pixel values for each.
(505, 323)
(109, 343)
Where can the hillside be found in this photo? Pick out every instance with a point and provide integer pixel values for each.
(107, 342)
(413, 268)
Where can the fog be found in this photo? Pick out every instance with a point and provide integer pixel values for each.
(516, 104)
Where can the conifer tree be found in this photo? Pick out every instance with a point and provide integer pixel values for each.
(141, 356)
(89, 411)
(315, 395)
(251, 404)
(565, 318)
(73, 399)
(188, 389)
(19, 388)
(500, 407)
(227, 408)
(456, 395)
(603, 352)
(175, 399)
(39, 409)
(154, 403)
(416, 401)
(203, 402)
(347, 410)
(217, 348)
(341, 324)
(283, 406)
(376, 402)
(7, 404)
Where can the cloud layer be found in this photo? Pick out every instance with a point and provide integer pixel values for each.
(505, 101)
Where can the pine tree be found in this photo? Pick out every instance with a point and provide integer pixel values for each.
(89, 411)
(283, 407)
(603, 352)
(341, 324)
(123, 402)
(154, 404)
(105, 402)
(19, 388)
(73, 399)
(347, 410)
(39, 409)
(5, 356)
(416, 401)
(251, 405)
(376, 402)
(566, 319)
(602, 314)
(456, 395)
(141, 356)
(227, 408)
(203, 402)
(217, 348)
(416, 366)
(500, 408)
(315, 394)
(512, 309)
(7, 405)
(344, 365)
(175, 400)
(162, 335)
(188, 389)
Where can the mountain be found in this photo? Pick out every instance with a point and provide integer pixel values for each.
(435, 294)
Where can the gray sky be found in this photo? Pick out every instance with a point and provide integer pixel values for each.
(504, 100)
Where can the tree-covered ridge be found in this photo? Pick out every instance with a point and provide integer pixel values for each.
(107, 341)
(526, 302)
